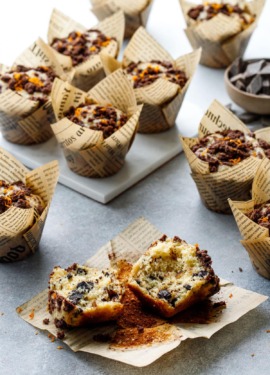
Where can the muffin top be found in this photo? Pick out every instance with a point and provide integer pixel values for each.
(225, 149)
(261, 214)
(209, 10)
(96, 117)
(17, 194)
(32, 83)
(80, 46)
(144, 73)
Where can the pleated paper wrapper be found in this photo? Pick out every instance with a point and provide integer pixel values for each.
(222, 39)
(89, 73)
(21, 121)
(130, 245)
(234, 182)
(21, 229)
(136, 12)
(162, 99)
(86, 152)
(256, 238)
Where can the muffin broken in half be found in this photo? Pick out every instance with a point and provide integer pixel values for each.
(173, 275)
(80, 295)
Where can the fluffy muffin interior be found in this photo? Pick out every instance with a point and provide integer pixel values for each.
(86, 287)
(172, 270)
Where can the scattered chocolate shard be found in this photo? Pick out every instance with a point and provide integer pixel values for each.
(255, 85)
(237, 67)
(248, 117)
(240, 85)
(240, 76)
(265, 69)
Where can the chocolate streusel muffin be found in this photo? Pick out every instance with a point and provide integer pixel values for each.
(172, 275)
(80, 295)
(228, 148)
(81, 46)
(96, 117)
(17, 194)
(142, 74)
(31, 83)
(208, 10)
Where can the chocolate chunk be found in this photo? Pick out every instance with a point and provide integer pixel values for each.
(164, 294)
(265, 70)
(81, 271)
(46, 321)
(254, 68)
(187, 287)
(255, 85)
(60, 335)
(85, 287)
(75, 297)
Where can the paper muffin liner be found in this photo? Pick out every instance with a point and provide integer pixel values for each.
(234, 182)
(162, 99)
(21, 229)
(256, 238)
(89, 73)
(136, 12)
(21, 121)
(221, 38)
(86, 152)
(130, 245)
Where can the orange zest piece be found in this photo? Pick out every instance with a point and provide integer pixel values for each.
(32, 314)
(264, 219)
(36, 81)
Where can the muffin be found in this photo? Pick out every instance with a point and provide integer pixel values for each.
(80, 295)
(223, 29)
(136, 13)
(25, 95)
(78, 48)
(17, 194)
(96, 129)
(24, 205)
(253, 219)
(159, 82)
(224, 162)
(173, 275)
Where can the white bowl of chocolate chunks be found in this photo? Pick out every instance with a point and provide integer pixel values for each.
(248, 84)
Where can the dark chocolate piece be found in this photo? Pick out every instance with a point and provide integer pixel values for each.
(255, 85)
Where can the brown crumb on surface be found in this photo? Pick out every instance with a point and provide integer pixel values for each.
(231, 295)
(51, 337)
(252, 355)
(19, 310)
(240, 269)
(60, 347)
(1, 313)
(46, 321)
(36, 332)
(60, 335)
(32, 314)
(268, 331)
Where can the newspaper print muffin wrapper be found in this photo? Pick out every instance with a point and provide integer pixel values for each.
(21, 229)
(21, 121)
(234, 182)
(222, 39)
(162, 99)
(87, 74)
(256, 239)
(86, 151)
(136, 12)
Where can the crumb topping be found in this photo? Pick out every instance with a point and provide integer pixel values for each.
(32, 83)
(17, 194)
(261, 214)
(228, 148)
(80, 46)
(102, 118)
(209, 10)
(144, 73)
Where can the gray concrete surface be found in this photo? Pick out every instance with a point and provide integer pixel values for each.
(77, 226)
